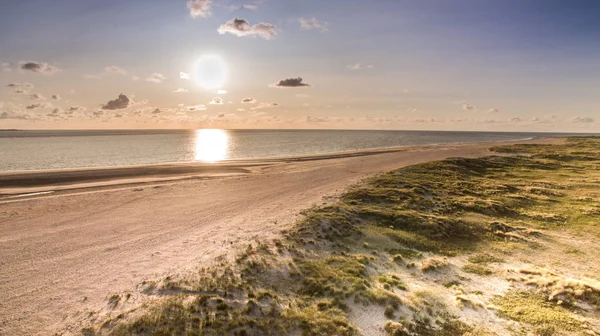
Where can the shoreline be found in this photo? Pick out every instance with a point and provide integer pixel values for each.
(28, 183)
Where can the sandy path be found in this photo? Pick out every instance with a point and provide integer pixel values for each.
(63, 255)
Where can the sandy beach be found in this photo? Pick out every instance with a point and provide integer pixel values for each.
(70, 239)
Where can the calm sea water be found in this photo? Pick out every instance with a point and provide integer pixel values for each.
(34, 150)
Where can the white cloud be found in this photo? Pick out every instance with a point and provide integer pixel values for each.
(184, 75)
(156, 78)
(180, 90)
(199, 107)
(221, 92)
(113, 69)
(216, 101)
(199, 8)
(5, 67)
(241, 27)
(359, 66)
(312, 23)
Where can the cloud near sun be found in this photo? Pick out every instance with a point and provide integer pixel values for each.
(239, 27)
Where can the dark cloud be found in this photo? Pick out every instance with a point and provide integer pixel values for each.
(241, 27)
(516, 119)
(292, 82)
(56, 97)
(35, 106)
(199, 8)
(248, 101)
(117, 104)
(157, 111)
(38, 67)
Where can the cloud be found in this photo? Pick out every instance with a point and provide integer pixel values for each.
(303, 95)
(291, 82)
(184, 75)
(55, 113)
(5, 67)
(180, 90)
(221, 115)
(239, 27)
(117, 104)
(312, 23)
(493, 110)
(199, 107)
(9, 115)
(245, 6)
(157, 111)
(56, 97)
(585, 120)
(35, 106)
(113, 69)
(264, 106)
(216, 101)
(359, 66)
(36, 96)
(248, 101)
(466, 106)
(156, 78)
(39, 67)
(515, 119)
(23, 87)
(221, 92)
(74, 109)
(199, 8)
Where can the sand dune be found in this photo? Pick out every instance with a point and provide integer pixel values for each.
(103, 231)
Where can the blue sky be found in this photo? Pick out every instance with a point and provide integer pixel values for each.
(431, 64)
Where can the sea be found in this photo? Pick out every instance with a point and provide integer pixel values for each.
(23, 150)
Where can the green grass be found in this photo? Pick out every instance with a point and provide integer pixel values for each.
(536, 310)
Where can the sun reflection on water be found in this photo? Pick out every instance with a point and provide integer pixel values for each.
(212, 145)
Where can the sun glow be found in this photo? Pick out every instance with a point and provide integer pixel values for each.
(212, 145)
(211, 72)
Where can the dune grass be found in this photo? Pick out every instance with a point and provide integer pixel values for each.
(363, 250)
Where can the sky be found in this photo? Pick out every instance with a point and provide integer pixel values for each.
(510, 65)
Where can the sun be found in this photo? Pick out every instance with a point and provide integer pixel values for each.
(211, 72)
